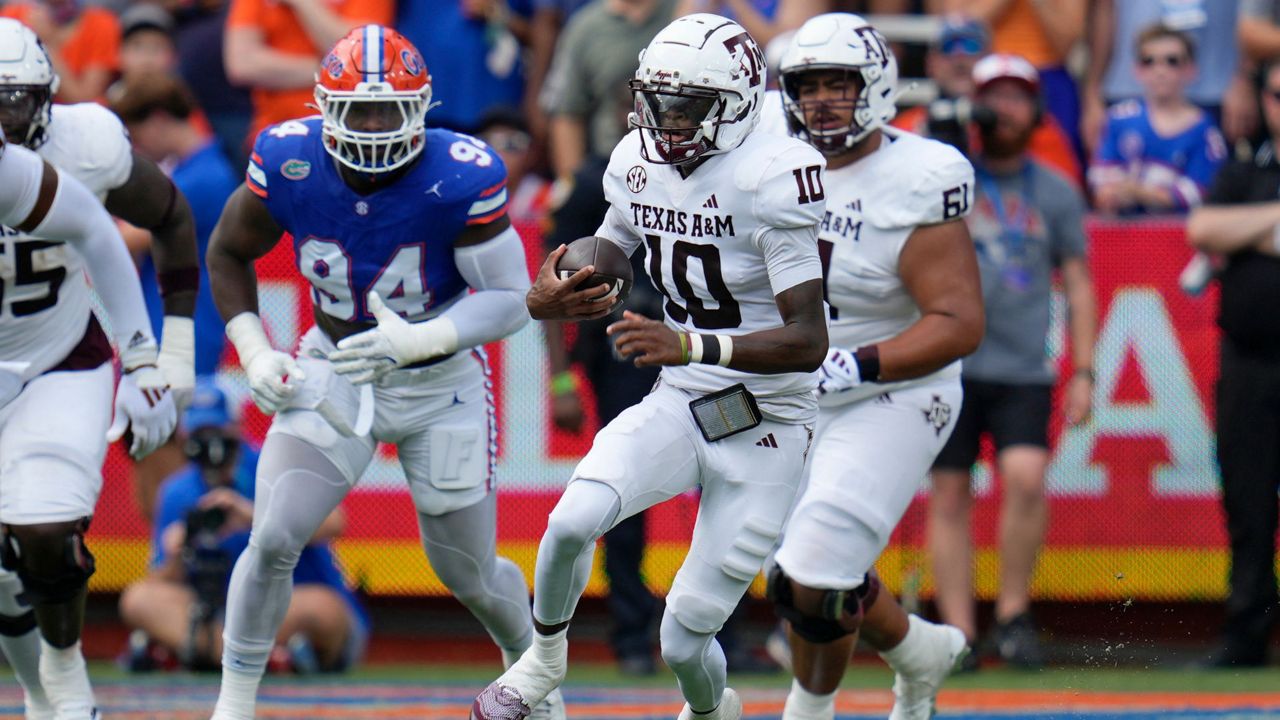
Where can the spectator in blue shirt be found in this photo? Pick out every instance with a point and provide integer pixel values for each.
(160, 114)
(1158, 154)
(202, 525)
(473, 51)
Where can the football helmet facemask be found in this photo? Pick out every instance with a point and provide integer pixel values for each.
(846, 43)
(698, 89)
(373, 91)
(27, 84)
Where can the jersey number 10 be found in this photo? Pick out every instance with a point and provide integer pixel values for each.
(726, 315)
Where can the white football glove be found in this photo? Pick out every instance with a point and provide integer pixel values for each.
(274, 376)
(365, 357)
(178, 358)
(144, 406)
(839, 372)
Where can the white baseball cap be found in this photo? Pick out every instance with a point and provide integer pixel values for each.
(1003, 66)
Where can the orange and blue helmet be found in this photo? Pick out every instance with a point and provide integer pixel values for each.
(373, 91)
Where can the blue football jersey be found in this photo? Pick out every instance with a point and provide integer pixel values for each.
(1185, 164)
(397, 240)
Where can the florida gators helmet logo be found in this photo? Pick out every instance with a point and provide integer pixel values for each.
(412, 61)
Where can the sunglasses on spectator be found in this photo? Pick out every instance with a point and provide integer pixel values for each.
(1173, 61)
(962, 45)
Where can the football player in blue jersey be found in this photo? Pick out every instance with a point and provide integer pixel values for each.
(394, 226)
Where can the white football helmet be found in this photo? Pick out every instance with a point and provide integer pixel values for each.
(27, 84)
(698, 89)
(841, 41)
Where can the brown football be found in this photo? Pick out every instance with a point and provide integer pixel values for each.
(613, 268)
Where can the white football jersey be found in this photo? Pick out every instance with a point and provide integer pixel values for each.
(873, 206)
(20, 173)
(710, 251)
(773, 116)
(45, 307)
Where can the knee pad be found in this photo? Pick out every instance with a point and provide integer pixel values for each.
(700, 612)
(681, 645)
(838, 614)
(276, 550)
(54, 569)
(585, 511)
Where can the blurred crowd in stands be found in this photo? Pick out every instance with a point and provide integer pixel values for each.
(1142, 101)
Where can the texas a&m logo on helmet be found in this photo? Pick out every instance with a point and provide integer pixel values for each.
(374, 91)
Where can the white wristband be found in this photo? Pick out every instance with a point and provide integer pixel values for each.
(178, 350)
(142, 351)
(695, 348)
(701, 350)
(245, 331)
(726, 350)
(433, 338)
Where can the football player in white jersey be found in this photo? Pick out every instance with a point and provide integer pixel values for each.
(727, 217)
(45, 316)
(55, 408)
(902, 284)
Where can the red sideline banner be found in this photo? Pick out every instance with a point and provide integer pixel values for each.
(1133, 493)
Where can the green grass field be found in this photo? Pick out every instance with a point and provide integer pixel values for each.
(598, 692)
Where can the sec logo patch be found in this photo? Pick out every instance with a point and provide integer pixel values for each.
(636, 179)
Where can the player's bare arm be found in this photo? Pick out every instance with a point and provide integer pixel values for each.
(939, 269)
(245, 232)
(149, 200)
(799, 345)
(551, 298)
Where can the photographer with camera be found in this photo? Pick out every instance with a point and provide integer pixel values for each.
(204, 513)
(1027, 223)
(962, 42)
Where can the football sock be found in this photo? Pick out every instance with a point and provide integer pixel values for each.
(804, 705)
(238, 694)
(66, 680)
(911, 656)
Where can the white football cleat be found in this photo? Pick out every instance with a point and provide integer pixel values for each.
(38, 708)
(730, 708)
(551, 707)
(915, 693)
(523, 687)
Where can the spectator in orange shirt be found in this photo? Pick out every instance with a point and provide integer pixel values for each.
(275, 46)
(83, 43)
(962, 42)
